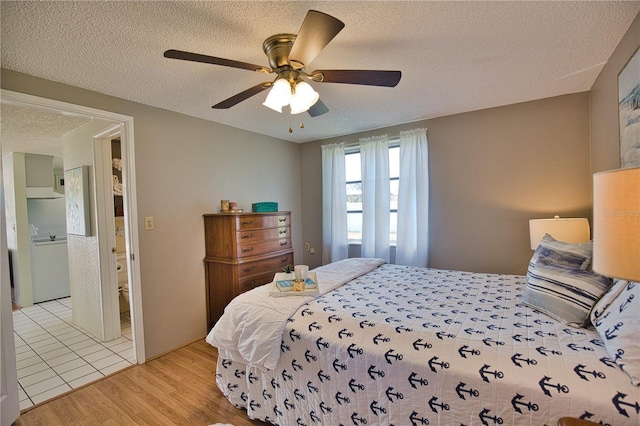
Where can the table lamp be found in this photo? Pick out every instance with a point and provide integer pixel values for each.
(616, 223)
(568, 230)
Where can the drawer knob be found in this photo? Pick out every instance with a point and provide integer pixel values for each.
(244, 237)
(283, 243)
(283, 231)
(246, 222)
(282, 219)
(249, 269)
(284, 260)
(245, 250)
(250, 283)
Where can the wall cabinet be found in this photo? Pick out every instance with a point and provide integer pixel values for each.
(243, 251)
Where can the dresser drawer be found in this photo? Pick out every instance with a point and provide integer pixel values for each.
(246, 284)
(273, 265)
(244, 222)
(259, 235)
(256, 249)
(243, 251)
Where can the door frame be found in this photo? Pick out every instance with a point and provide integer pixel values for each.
(9, 401)
(131, 226)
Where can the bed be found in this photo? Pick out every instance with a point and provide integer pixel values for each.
(398, 345)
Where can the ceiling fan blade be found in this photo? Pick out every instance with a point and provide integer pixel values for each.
(317, 109)
(236, 99)
(317, 30)
(366, 77)
(196, 57)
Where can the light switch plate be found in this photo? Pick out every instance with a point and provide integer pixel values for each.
(148, 223)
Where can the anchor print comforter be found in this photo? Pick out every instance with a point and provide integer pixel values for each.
(414, 346)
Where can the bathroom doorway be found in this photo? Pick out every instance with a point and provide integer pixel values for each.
(124, 126)
(111, 155)
(122, 260)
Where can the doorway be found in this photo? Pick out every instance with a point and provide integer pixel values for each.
(122, 260)
(124, 127)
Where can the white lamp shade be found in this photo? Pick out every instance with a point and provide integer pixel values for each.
(279, 95)
(303, 98)
(616, 223)
(568, 230)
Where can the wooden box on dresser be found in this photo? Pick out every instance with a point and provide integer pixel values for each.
(243, 251)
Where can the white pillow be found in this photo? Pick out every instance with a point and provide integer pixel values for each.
(606, 299)
(619, 327)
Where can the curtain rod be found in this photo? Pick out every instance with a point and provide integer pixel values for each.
(395, 139)
(352, 144)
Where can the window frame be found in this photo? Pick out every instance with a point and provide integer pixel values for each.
(393, 143)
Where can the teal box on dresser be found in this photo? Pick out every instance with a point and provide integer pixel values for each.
(264, 207)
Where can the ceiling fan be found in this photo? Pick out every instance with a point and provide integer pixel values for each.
(289, 55)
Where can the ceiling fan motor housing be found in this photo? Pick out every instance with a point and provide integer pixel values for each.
(277, 48)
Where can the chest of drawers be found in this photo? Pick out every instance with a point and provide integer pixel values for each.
(243, 251)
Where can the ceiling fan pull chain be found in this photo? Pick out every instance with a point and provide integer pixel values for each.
(290, 129)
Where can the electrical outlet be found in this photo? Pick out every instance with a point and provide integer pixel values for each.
(148, 223)
(312, 250)
(306, 246)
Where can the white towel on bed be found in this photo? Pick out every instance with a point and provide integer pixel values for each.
(250, 330)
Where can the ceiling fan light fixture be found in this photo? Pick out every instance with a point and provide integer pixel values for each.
(303, 98)
(289, 55)
(279, 95)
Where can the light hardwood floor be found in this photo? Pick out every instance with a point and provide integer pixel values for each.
(175, 389)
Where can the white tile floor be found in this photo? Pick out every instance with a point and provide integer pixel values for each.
(55, 356)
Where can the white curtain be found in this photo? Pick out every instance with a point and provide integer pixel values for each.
(413, 199)
(374, 162)
(334, 204)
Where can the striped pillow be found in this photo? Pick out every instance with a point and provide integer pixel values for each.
(577, 255)
(560, 284)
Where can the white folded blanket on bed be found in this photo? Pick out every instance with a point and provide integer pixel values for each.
(250, 330)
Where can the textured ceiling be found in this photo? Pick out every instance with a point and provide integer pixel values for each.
(36, 131)
(454, 56)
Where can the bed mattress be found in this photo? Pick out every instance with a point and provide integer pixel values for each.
(414, 346)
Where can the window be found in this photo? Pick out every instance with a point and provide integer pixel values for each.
(354, 192)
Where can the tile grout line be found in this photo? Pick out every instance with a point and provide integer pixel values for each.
(64, 344)
(86, 334)
(91, 337)
(34, 351)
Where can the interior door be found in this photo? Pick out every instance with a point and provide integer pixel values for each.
(10, 405)
(107, 232)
